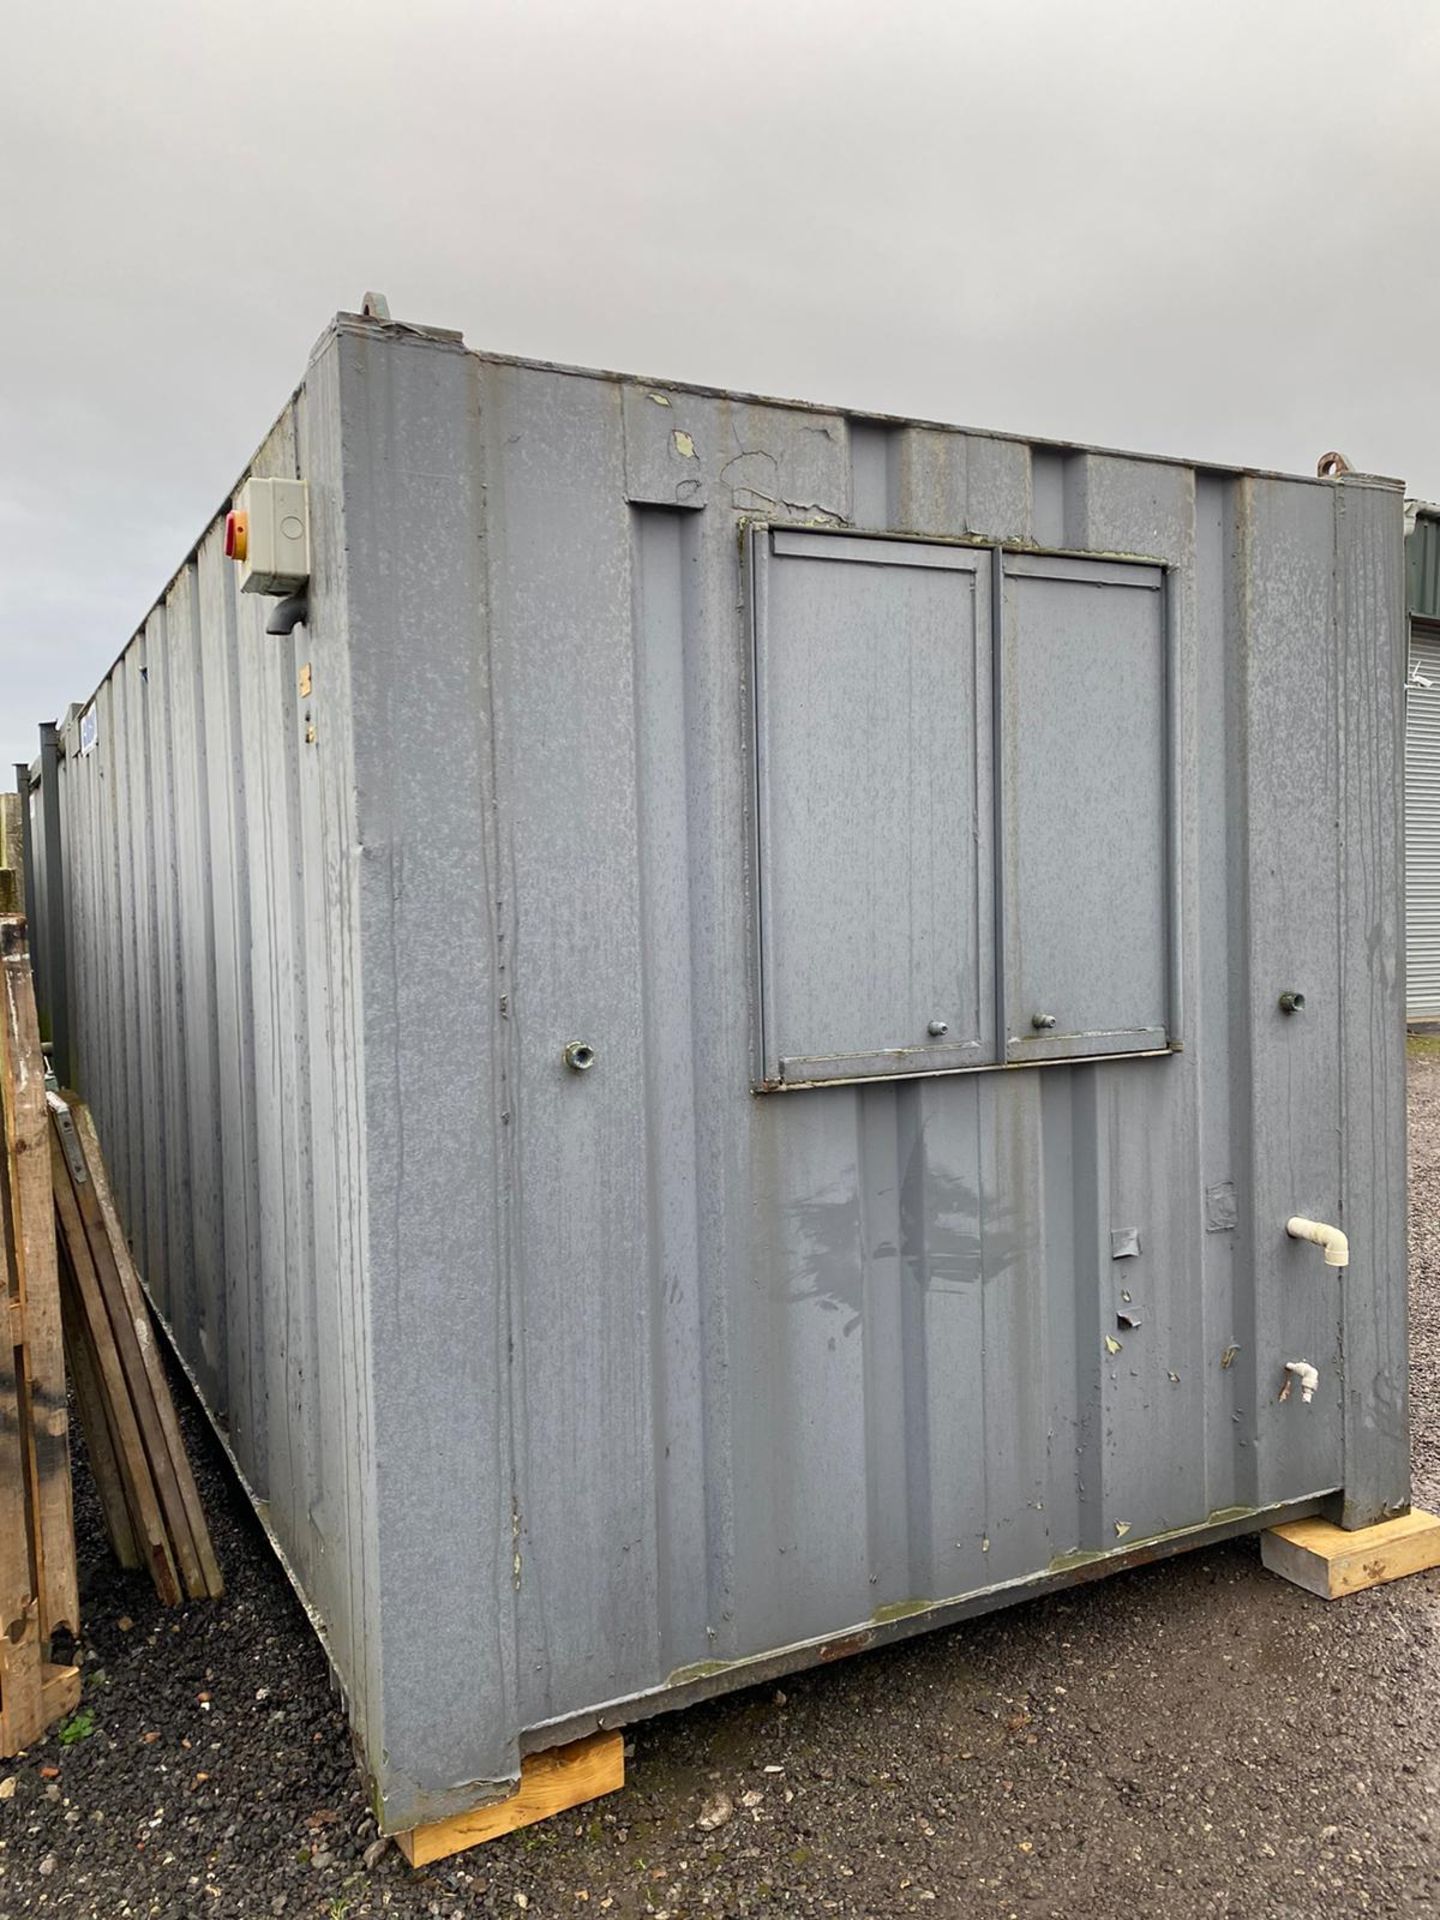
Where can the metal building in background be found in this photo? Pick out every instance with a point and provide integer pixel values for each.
(708, 1054)
(1422, 768)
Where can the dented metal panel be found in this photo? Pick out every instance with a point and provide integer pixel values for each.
(575, 1394)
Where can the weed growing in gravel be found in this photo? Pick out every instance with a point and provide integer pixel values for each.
(78, 1727)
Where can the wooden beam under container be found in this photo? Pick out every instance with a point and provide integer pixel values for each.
(551, 1782)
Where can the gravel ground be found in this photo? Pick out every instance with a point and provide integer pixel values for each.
(1192, 1738)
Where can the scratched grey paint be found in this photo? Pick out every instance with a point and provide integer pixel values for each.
(557, 1386)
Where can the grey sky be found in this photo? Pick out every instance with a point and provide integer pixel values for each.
(1205, 228)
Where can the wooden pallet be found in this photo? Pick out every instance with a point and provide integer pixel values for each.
(152, 1509)
(38, 1588)
(550, 1782)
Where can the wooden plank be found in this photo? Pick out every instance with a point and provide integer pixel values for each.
(134, 1340)
(21, 1712)
(137, 1305)
(46, 1430)
(130, 1447)
(54, 1693)
(551, 1782)
(17, 1525)
(1332, 1561)
(59, 1692)
(50, 1693)
(22, 1706)
(95, 1420)
(12, 857)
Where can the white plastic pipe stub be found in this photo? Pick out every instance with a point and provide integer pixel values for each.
(1300, 1373)
(1331, 1239)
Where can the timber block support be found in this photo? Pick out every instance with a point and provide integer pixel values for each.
(550, 1782)
(1331, 1561)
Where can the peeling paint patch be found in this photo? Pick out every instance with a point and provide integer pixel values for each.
(748, 500)
(660, 399)
(1125, 1243)
(684, 445)
(1220, 1209)
(698, 1670)
(901, 1610)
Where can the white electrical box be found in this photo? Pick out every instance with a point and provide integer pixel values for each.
(268, 534)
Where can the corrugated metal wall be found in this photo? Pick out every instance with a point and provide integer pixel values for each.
(1422, 823)
(1422, 770)
(209, 909)
(569, 1388)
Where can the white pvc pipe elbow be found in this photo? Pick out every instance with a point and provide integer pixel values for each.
(1336, 1246)
(1303, 1375)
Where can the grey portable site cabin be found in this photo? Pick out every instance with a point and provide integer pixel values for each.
(695, 1053)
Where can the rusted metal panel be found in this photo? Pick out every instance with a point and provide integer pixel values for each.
(570, 1394)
